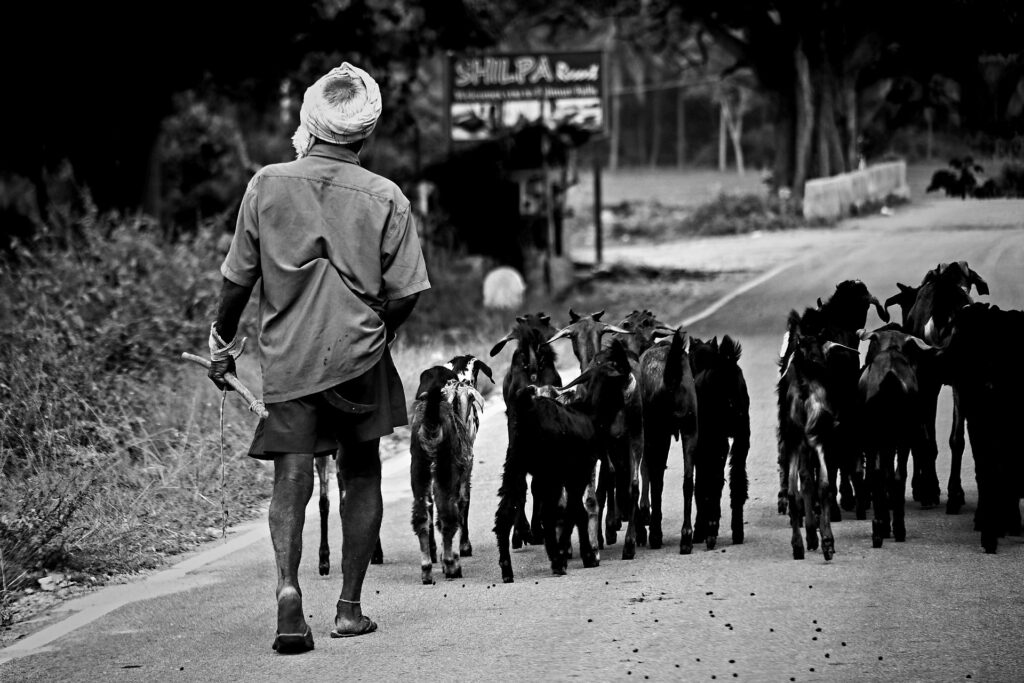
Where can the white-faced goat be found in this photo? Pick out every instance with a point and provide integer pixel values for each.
(441, 468)
(533, 362)
(724, 414)
(619, 486)
(560, 445)
(929, 316)
(894, 422)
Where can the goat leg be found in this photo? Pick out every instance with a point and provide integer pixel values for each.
(686, 533)
(465, 547)
(955, 498)
(828, 543)
(325, 512)
(795, 518)
(897, 496)
(589, 524)
(876, 477)
(510, 495)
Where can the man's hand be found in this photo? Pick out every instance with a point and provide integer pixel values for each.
(222, 357)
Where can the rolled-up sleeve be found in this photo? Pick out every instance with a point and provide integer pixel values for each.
(242, 264)
(402, 266)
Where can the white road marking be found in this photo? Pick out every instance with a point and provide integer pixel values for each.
(742, 289)
(95, 605)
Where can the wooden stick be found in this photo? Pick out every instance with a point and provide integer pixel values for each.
(255, 405)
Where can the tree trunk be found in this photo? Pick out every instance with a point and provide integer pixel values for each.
(929, 119)
(723, 143)
(784, 134)
(824, 167)
(849, 103)
(804, 121)
(652, 159)
(734, 121)
(615, 137)
(680, 127)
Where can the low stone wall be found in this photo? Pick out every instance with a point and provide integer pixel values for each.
(835, 197)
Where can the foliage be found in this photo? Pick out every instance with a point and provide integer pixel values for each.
(741, 214)
(108, 447)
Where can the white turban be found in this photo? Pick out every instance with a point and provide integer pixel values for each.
(339, 122)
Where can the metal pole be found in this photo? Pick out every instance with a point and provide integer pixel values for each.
(598, 237)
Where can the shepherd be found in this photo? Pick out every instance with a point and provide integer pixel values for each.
(335, 250)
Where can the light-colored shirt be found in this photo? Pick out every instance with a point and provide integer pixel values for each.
(332, 243)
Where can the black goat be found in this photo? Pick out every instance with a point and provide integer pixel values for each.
(440, 470)
(724, 413)
(533, 362)
(619, 486)
(894, 420)
(840, 321)
(640, 330)
(989, 385)
(560, 445)
(807, 430)
(669, 409)
(944, 290)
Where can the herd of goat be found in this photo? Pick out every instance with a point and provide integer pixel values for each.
(597, 448)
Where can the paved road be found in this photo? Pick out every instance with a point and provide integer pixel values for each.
(934, 608)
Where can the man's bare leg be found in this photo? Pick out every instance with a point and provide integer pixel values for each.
(293, 486)
(364, 507)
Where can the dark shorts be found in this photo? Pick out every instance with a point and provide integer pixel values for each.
(311, 425)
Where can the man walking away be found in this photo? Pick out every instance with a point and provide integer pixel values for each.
(340, 268)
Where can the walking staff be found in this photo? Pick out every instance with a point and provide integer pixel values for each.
(336, 254)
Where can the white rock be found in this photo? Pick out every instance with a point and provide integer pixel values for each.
(504, 288)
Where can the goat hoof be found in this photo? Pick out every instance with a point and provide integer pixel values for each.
(628, 550)
(812, 542)
(466, 550)
(737, 536)
(798, 553)
(686, 545)
(828, 549)
(591, 561)
(876, 541)
(517, 543)
(641, 536)
(558, 569)
(899, 536)
(783, 506)
(507, 579)
(952, 507)
(455, 573)
(325, 567)
(710, 542)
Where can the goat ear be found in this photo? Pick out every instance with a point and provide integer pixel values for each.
(546, 319)
(496, 349)
(520, 318)
(484, 368)
(597, 316)
(865, 335)
(573, 316)
(882, 313)
(978, 282)
(819, 302)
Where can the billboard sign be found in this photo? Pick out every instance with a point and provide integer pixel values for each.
(490, 93)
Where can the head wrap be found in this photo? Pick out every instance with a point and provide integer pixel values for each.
(341, 122)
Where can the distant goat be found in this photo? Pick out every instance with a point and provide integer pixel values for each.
(441, 468)
(669, 409)
(806, 430)
(989, 385)
(894, 422)
(620, 473)
(640, 331)
(724, 414)
(944, 290)
(533, 362)
(560, 445)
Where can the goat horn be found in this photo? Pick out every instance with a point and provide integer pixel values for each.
(616, 329)
(829, 345)
(562, 333)
(496, 349)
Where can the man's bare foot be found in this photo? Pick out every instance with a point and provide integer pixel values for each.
(289, 611)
